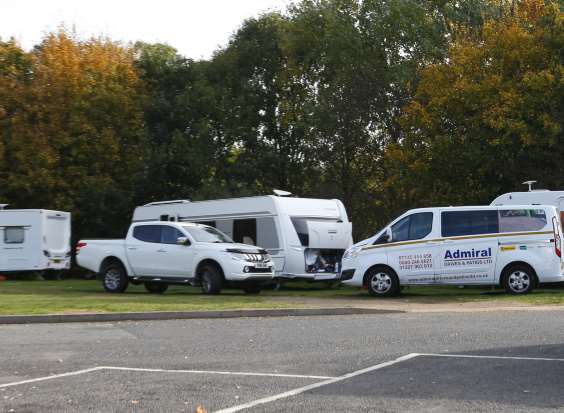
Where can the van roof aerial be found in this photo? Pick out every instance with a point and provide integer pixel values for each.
(530, 184)
(279, 192)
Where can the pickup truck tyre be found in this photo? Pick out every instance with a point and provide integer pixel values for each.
(252, 288)
(114, 278)
(156, 288)
(211, 280)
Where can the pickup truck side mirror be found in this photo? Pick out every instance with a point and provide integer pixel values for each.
(183, 241)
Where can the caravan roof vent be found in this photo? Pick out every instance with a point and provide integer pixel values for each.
(279, 192)
(178, 201)
(3, 206)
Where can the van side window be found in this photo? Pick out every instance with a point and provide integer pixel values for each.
(514, 220)
(14, 235)
(147, 233)
(412, 227)
(245, 231)
(457, 223)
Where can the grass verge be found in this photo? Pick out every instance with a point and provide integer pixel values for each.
(87, 296)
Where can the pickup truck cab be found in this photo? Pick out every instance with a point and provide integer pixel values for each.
(515, 247)
(162, 253)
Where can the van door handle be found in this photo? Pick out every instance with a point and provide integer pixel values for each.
(432, 242)
(161, 250)
(448, 241)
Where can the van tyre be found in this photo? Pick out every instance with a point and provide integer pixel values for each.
(382, 282)
(114, 278)
(156, 287)
(252, 288)
(211, 280)
(519, 279)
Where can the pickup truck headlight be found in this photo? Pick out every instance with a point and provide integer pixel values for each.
(352, 252)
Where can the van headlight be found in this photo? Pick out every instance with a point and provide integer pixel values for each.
(352, 252)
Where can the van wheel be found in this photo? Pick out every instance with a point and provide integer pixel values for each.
(156, 288)
(382, 282)
(211, 280)
(252, 288)
(114, 278)
(519, 279)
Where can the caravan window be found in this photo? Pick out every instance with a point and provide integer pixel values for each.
(245, 231)
(513, 220)
(14, 235)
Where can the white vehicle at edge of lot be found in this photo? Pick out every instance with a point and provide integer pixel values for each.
(305, 237)
(516, 247)
(162, 253)
(34, 240)
(533, 197)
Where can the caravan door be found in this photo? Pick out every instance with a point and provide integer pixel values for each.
(329, 234)
(17, 254)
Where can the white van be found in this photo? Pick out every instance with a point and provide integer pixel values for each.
(34, 240)
(515, 247)
(305, 238)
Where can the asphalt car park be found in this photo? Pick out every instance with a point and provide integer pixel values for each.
(502, 361)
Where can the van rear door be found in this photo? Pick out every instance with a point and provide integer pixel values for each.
(329, 234)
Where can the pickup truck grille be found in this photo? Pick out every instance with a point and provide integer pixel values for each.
(256, 257)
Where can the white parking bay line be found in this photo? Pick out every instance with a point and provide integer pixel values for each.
(51, 377)
(225, 373)
(473, 356)
(304, 389)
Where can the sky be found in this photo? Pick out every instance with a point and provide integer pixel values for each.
(194, 27)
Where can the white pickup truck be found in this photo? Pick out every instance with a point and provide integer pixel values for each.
(162, 253)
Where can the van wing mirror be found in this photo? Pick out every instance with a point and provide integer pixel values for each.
(183, 241)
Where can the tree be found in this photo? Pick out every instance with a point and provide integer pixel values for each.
(488, 118)
(76, 140)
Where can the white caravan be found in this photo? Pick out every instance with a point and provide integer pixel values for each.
(34, 240)
(305, 238)
(533, 197)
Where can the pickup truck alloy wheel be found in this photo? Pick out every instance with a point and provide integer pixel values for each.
(519, 280)
(115, 280)
(382, 282)
(211, 280)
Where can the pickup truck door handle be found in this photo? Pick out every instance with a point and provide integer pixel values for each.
(161, 250)
(132, 248)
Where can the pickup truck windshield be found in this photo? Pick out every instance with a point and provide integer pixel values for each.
(207, 234)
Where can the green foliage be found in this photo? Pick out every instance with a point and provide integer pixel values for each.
(385, 104)
(73, 133)
(490, 117)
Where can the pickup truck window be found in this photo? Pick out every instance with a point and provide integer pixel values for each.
(147, 233)
(170, 235)
(207, 234)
